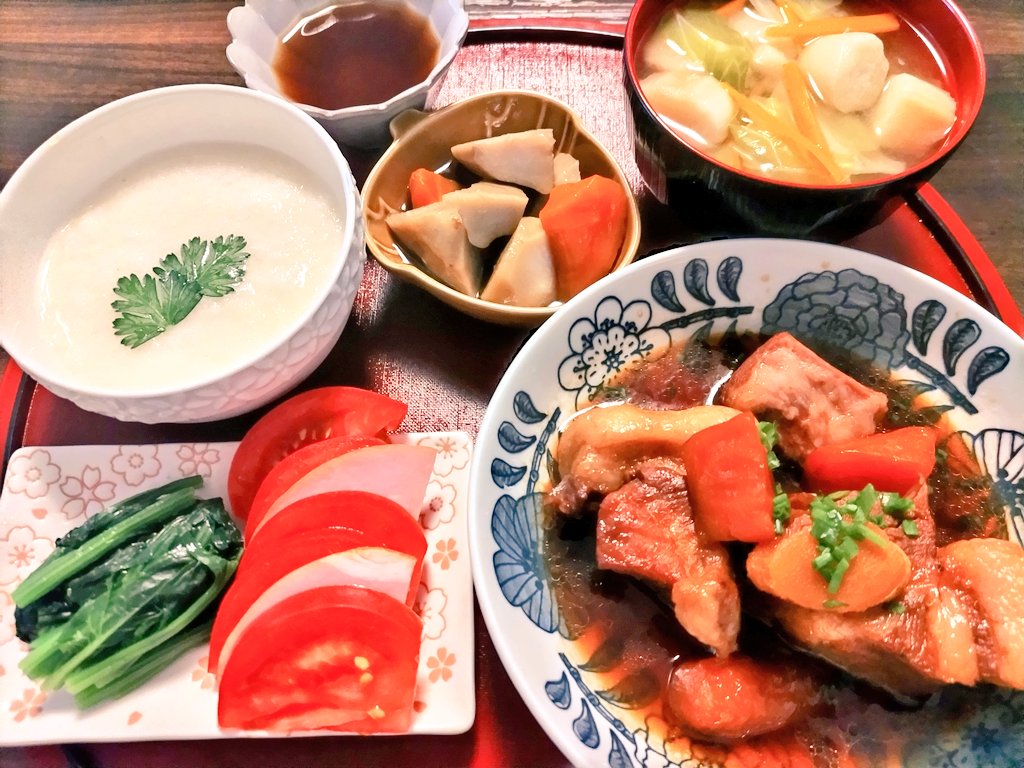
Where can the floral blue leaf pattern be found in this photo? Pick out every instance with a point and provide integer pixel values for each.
(634, 691)
(605, 657)
(960, 336)
(504, 474)
(1000, 454)
(926, 319)
(602, 346)
(932, 413)
(618, 757)
(917, 387)
(525, 410)
(518, 565)
(988, 362)
(512, 440)
(663, 291)
(847, 309)
(695, 278)
(729, 272)
(559, 692)
(586, 729)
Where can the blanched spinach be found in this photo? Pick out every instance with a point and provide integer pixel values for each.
(115, 616)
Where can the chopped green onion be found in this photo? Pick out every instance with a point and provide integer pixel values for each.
(910, 528)
(896, 607)
(781, 509)
(894, 504)
(831, 605)
(769, 437)
(837, 575)
(838, 527)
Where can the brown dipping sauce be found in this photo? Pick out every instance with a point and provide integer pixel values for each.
(355, 53)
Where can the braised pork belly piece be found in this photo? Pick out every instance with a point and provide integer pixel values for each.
(960, 619)
(890, 645)
(646, 529)
(600, 449)
(987, 578)
(811, 402)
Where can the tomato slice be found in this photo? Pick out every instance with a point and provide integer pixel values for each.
(364, 518)
(377, 568)
(341, 658)
(398, 472)
(308, 530)
(286, 472)
(306, 418)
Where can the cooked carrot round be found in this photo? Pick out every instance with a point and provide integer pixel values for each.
(783, 567)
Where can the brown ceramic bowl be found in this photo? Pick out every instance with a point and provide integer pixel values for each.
(689, 180)
(424, 140)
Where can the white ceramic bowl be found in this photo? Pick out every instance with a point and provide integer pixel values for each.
(256, 27)
(970, 364)
(62, 177)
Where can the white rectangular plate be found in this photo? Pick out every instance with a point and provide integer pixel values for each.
(49, 490)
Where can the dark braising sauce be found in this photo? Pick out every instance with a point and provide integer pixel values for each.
(624, 634)
(355, 53)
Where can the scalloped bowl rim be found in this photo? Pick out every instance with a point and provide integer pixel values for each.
(28, 359)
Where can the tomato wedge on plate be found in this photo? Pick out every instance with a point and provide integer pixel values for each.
(306, 418)
(340, 658)
(383, 570)
(293, 466)
(398, 472)
(366, 519)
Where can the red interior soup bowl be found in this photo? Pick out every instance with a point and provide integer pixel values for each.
(727, 155)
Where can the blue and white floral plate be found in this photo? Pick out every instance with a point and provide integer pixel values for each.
(968, 363)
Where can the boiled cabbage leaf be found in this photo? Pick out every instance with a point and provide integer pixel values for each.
(704, 36)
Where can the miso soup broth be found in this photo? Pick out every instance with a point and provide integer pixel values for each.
(821, 92)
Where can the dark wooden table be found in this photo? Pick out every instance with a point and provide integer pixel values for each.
(61, 58)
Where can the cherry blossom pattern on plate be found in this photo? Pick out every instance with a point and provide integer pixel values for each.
(452, 452)
(440, 665)
(29, 704)
(439, 507)
(87, 493)
(430, 605)
(202, 675)
(197, 459)
(136, 463)
(32, 473)
(21, 551)
(446, 552)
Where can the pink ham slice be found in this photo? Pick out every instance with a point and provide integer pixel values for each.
(397, 472)
(375, 568)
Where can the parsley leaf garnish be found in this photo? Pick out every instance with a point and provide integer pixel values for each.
(215, 266)
(150, 305)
